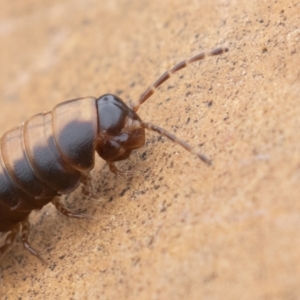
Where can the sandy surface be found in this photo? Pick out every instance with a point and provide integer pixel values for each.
(179, 229)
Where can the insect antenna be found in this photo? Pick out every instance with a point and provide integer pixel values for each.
(151, 89)
(165, 76)
(176, 140)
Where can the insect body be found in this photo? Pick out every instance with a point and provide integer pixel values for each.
(51, 153)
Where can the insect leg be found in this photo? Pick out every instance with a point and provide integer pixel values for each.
(9, 240)
(87, 188)
(113, 168)
(63, 210)
(24, 236)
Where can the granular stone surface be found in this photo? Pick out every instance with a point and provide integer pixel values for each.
(178, 229)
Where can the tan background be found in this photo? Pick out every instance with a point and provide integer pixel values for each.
(178, 229)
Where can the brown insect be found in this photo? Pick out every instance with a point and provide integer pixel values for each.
(51, 153)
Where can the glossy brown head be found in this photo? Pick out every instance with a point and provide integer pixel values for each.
(119, 130)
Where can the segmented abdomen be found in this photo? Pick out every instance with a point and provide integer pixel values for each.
(45, 157)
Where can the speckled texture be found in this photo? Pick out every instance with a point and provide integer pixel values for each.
(179, 229)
